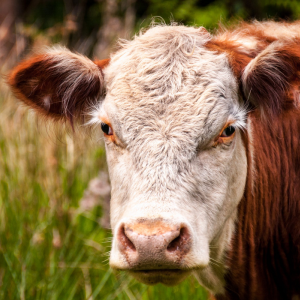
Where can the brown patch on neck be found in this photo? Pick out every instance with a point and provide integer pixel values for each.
(264, 258)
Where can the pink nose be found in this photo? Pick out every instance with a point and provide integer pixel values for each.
(153, 244)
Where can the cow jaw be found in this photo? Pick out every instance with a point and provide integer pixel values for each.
(169, 172)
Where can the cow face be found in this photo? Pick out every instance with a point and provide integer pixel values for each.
(173, 126)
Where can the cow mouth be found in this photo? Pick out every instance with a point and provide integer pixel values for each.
(165, 276)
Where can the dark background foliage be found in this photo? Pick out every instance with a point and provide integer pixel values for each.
(92, 26)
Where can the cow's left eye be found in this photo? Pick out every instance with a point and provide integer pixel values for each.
(106, 129)
(228, 131)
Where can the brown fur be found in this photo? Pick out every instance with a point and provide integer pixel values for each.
(274, 77)
(41, 77)
(264, 260)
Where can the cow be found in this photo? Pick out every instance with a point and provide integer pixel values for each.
(202, 137)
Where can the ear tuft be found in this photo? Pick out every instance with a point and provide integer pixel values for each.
(58, 83)
(268, 78)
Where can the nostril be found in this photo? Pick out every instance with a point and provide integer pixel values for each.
(124, 239)
(181, 242)
(174, 245)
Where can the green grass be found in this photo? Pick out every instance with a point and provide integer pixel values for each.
(49, 248)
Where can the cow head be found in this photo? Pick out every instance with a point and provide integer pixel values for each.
(173, 123)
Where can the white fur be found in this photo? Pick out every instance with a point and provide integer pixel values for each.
(167, 99)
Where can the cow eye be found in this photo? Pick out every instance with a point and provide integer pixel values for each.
(228, 131)
(106, 129)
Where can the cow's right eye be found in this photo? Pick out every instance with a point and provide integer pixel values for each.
(106, 129)
(228, 131)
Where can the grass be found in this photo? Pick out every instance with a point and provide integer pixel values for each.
(49, 248)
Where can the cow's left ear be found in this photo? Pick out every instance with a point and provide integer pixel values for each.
(59, 84)
(271, 79)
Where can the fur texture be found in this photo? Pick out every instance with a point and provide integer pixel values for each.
(264, 256)
(58, 83)
(167, 107)
(170, 92)
(265, 57)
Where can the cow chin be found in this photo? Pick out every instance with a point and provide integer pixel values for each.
(169, 277)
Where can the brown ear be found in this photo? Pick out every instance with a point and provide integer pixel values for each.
(58, 83)
(271, 79)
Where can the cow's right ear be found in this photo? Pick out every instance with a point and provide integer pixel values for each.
(58, 83)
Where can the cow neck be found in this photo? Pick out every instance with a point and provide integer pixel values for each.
(265, 251)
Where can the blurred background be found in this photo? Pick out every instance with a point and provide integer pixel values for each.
(54, 190)
(92, 26)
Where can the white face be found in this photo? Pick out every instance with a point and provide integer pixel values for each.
(177, 173)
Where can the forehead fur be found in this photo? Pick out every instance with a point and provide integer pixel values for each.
(165, 59)
(165, 81)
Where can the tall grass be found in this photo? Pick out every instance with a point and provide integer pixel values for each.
(49, 247)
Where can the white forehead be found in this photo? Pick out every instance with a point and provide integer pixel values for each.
(166, 81)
